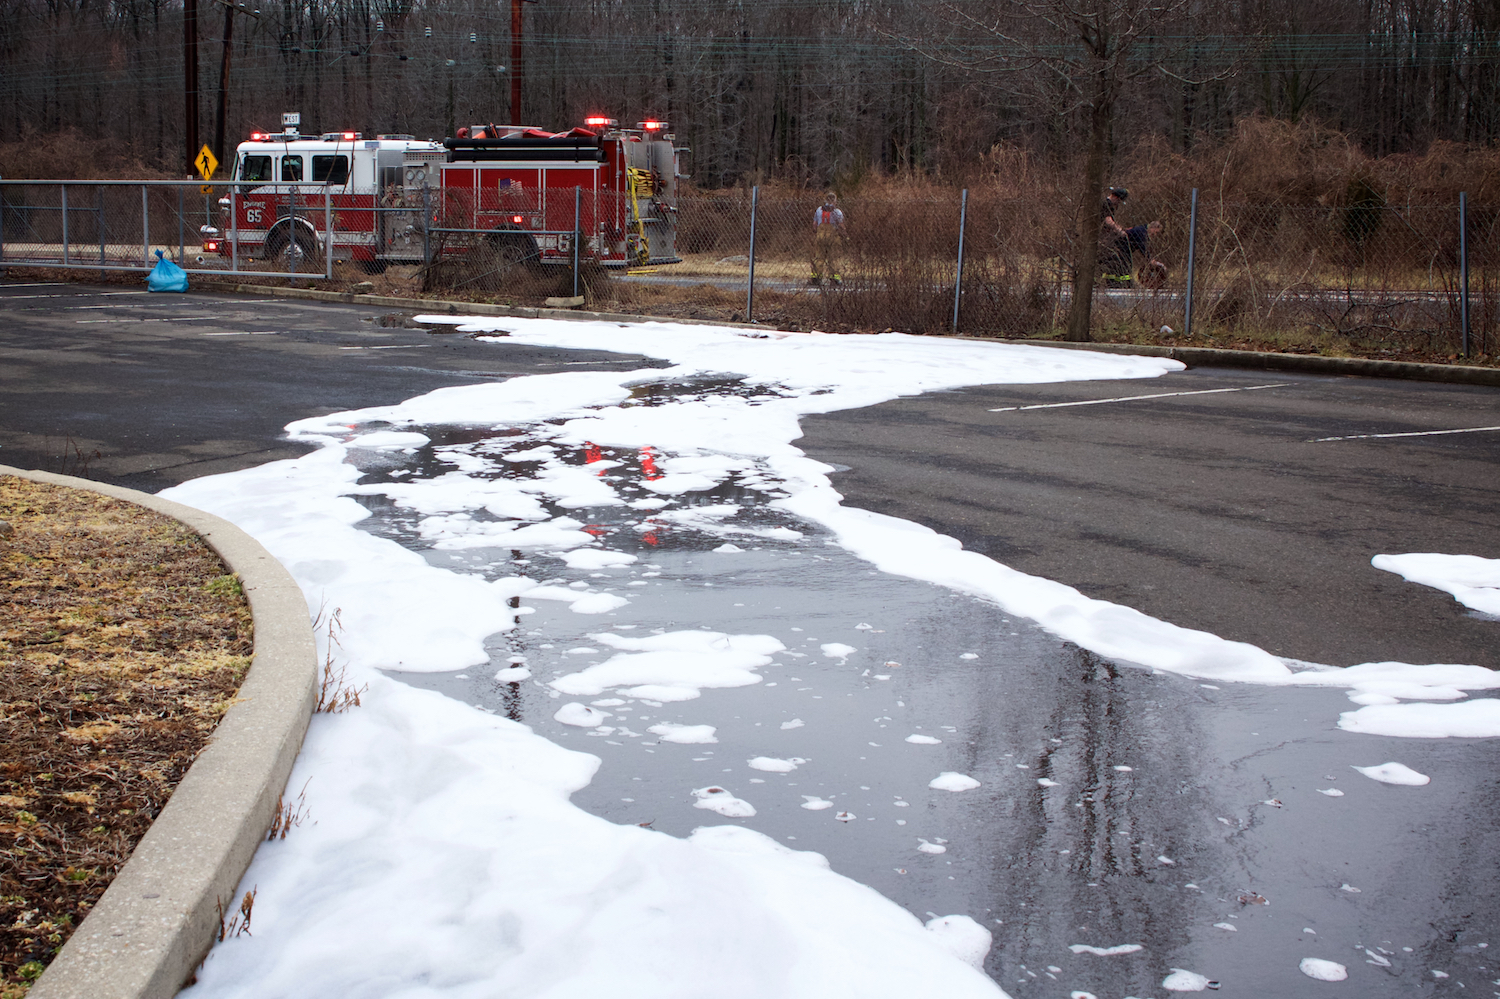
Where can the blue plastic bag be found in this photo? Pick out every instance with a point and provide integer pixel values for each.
(166, 276)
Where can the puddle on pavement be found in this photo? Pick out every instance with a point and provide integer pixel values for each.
(1115, 805)
(698, 387)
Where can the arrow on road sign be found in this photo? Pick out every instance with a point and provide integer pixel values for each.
(206, 163)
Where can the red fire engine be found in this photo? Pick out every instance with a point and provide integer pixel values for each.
(508, 190)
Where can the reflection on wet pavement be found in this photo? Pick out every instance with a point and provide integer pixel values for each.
(1125, 822)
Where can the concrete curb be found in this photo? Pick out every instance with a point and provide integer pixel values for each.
(1207, 357)
(435, 305)
(160, 915)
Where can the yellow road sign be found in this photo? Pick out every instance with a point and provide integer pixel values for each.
(206, 163)
(207, 189)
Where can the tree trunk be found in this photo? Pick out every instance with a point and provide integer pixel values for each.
(1087, 219)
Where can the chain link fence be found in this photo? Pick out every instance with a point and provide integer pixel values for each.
(502, 240)
(1351, 273)
(120, 225)
(1368, 275)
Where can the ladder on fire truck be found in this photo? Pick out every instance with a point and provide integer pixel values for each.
(640, 184)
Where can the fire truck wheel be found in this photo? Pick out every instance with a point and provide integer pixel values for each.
(500, 256)
(300, 251)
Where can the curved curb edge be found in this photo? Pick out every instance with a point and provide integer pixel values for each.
(1314, 364)
(160, 915)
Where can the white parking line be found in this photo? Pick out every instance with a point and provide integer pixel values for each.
(145, 319)
(1410, 433)
(81, 294)
(398, 346)
(1134, 398)
(245, 333)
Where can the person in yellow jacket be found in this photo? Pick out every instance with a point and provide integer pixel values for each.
(828, 233)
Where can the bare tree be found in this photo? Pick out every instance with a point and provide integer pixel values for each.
(1074, 59)
(805, 91)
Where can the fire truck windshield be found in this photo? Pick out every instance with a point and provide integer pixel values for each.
(255, 168)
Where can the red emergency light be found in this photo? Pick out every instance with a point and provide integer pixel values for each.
(651, 126)
(351, 135)
(211, 247)
(517, 219)
(257, 136)
(600, 121)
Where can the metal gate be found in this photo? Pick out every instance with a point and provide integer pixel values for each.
(119, 225)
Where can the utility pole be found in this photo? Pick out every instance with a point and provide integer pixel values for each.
(515, 61)
(190, 72)
(219, 126)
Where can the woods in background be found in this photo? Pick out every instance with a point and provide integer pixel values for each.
(813, 91)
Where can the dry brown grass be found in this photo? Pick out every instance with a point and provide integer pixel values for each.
(122, 642)
(69, 154)
(1272, 161)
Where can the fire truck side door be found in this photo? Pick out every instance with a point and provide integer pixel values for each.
(257, 211)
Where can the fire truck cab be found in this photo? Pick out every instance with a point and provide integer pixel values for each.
(518, 191)
(276, 208)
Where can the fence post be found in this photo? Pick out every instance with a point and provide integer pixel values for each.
(234, 229)
(426, 224)
(750, 283)
(181, 221)
(99, 224)
(1463, 269)
(327, 232)
(958, 279)
(577, 209)
(294, 248)
(145, 226)
(1187, 309)
(64, 189)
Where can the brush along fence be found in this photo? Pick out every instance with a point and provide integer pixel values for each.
(1363, 273)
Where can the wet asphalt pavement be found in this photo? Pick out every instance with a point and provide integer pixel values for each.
(1154, 824)
(147, 391)
(1155, 827)
(1225, 508)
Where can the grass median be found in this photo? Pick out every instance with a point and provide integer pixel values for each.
(123, 639)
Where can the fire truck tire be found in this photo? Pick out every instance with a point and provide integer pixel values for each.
(503, 254)
(286, 249)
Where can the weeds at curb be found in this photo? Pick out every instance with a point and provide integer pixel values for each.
(335, 694)
(239, 924)
(288, 814)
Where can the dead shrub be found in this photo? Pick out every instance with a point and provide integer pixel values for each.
(69, 154)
